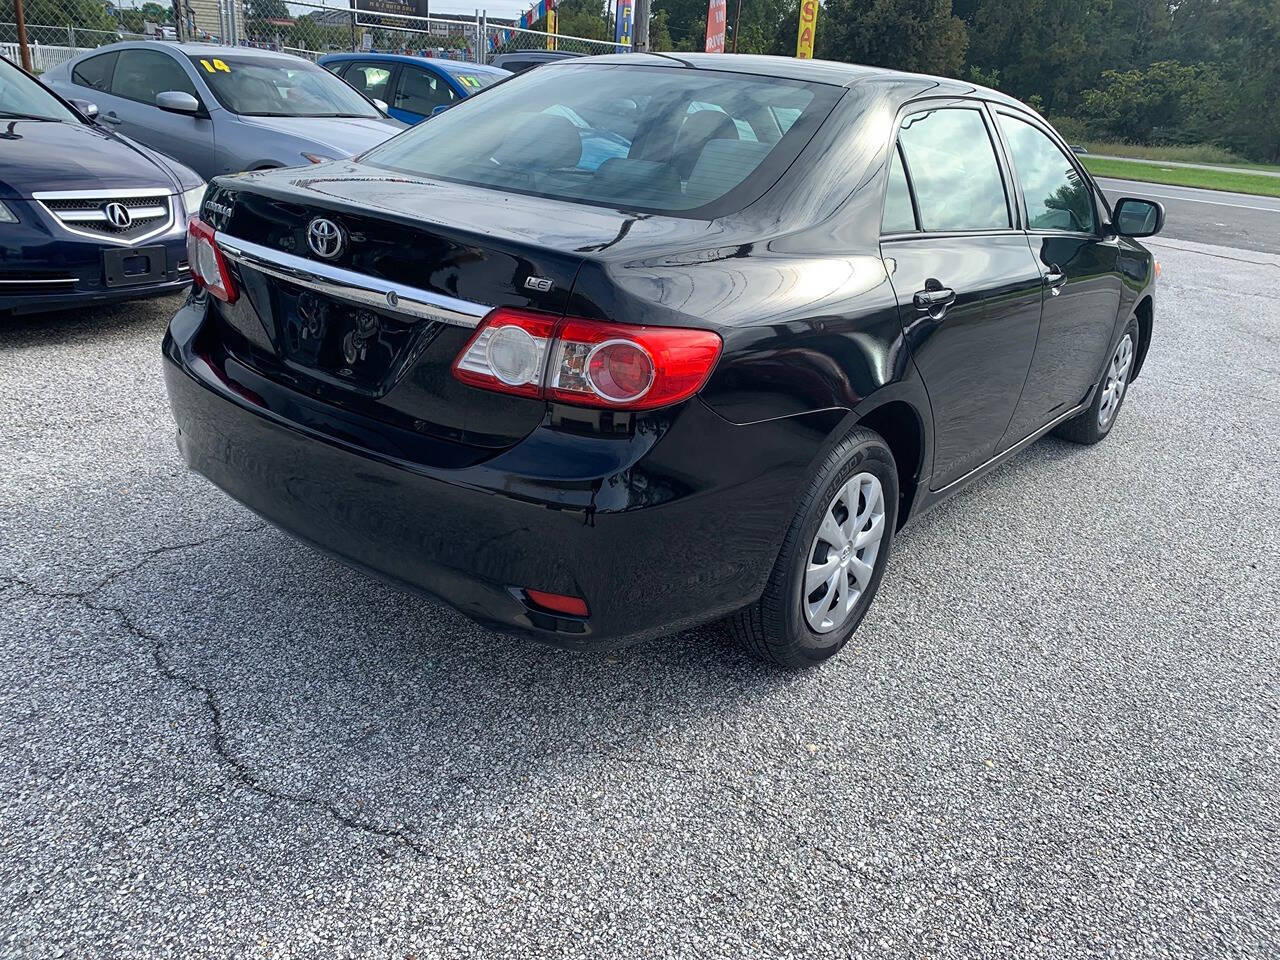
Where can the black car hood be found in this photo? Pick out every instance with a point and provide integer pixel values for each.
(40, 155)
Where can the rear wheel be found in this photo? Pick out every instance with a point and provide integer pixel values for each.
(1096, 422)
(831, 560)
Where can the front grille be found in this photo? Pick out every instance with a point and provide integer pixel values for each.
(148, 214)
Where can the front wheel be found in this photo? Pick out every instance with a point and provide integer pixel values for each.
(831, 560)
(1096, 422)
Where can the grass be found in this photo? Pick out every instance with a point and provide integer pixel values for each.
(1262, 186)
(1189, 153)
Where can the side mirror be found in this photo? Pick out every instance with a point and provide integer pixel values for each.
(1078, 149)
(87, 110)
(381, 105)
(1138, 218)
(440, 108)
(176, 101)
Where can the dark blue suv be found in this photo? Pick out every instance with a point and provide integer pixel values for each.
(86, 216)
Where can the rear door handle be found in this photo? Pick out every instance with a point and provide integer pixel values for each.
(1054, 279)
(110, 117)
(934, 298)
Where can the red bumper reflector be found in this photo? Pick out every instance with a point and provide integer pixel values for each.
(558, 602)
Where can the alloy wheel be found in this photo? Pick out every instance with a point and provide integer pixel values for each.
(843, 554)
(1116, 380)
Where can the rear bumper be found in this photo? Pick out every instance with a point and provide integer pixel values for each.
(677, 524)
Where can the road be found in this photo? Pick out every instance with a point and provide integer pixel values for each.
(1209, 216)
(1053, 736)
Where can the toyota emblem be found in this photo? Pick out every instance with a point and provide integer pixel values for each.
(117, 214)
(325, 238)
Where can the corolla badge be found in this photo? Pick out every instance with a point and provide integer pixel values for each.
(325, 238)
(117, 215)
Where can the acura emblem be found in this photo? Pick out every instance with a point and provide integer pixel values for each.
(325, 238)
(117, 214)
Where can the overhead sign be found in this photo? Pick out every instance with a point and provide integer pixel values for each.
(808, 27)
(622, 23)
(716, 19)
(402, 8)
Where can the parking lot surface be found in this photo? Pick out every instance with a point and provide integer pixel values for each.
(1054, 735)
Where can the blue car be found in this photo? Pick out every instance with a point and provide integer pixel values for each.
(412, 87)
(86, 216)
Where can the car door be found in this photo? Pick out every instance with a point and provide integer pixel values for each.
(418, 91)
(140, 76)
(1082, 283)
(967, 285)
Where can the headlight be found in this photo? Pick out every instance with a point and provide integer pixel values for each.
(191, 200)
(7, 215)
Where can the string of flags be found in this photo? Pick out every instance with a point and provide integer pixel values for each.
(526, 22)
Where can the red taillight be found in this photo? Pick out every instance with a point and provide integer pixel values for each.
(587, 362)
(208, 266)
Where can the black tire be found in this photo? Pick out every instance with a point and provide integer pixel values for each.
(774, 628)
(1086, 427)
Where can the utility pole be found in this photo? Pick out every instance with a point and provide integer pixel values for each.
(640, 27)
(20, 20)
(737, 19)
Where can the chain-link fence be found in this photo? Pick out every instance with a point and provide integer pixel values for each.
(57, 30)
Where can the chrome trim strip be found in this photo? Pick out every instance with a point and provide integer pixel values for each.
(97, 216)
(359, 288)
(65, 281)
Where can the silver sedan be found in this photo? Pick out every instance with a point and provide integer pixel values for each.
(224, 109)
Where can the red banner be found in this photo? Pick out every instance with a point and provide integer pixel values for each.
(716, 18)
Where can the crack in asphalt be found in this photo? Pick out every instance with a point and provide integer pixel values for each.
(242, 773)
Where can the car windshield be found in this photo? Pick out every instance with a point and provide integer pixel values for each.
(273, 87)
(20, 96)
(640, 138)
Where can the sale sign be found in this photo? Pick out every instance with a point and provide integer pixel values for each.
(716, 19)
(808, 27)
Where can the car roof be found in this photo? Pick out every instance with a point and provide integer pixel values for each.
(452, 66)
(193, 49)
(813, 71)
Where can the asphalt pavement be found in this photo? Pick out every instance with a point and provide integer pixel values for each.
(1209, 216)
(1055, 734)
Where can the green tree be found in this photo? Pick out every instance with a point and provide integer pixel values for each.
(916, 35)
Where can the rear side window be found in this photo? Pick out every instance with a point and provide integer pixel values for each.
(142, 74)
(420, 92)
(952, 164)
(1056, 195)
(692, 138)
(95, 73)
(899, 217)
(369, 78)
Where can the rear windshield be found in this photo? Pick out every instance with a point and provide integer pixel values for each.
(276, 87)
(658, 139)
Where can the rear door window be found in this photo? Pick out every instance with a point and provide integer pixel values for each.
(95, 73)
(142, 74)
(952, 164)
(419, 91)
(371, 79)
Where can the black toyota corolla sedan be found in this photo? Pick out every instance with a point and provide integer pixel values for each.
(600, 395)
